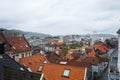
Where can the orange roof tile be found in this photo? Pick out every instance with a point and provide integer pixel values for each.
(32, 60)
(55, 72)
(92, 58)
(102, 48)
(92, 54)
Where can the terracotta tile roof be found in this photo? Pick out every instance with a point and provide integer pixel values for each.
(55, 58)
(19, 44)
(55, 72)
(79, 64)
(102, 48)
(33, 60)
(77, 61)
(92, 58)
(92, 54)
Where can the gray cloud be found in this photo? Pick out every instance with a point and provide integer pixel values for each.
(61, 16)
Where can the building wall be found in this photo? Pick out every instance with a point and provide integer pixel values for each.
(119, 52)
(21, 55)
(113, 73)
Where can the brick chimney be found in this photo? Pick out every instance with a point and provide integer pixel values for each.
(118, 32)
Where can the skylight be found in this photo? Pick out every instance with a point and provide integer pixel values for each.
(29, 69)
(21, 69)
(40, 68)
(66, 73)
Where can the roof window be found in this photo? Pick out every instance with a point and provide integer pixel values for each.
(29, 69)
(66, 73)
(40, 68)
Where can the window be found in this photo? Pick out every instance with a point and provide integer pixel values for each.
(22, 55)
(66, 73)
(40, 68)
(114, 59)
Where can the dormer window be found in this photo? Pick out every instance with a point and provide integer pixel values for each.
(66, 73)
(40, 68)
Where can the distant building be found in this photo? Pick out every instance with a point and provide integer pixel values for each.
(54, 45)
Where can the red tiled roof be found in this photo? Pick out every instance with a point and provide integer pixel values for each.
(55, 72)
(92, 58)
(19, 44)
(102, 48)
(92, 54)
(33, 60)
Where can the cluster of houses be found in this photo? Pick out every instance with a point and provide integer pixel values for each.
(55, 61)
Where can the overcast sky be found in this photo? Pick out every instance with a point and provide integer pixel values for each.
(61, 17)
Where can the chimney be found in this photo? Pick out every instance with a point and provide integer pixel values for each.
(94, 48)
(118, 32)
